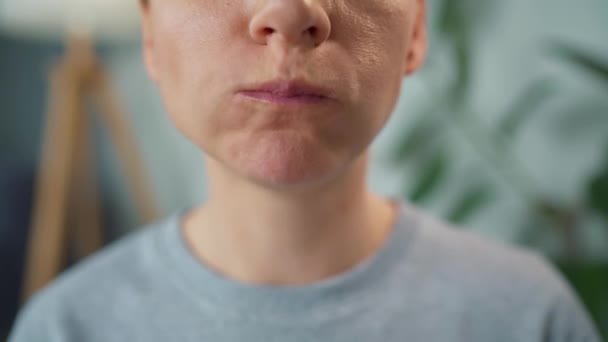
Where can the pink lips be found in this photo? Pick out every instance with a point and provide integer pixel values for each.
(285, 93)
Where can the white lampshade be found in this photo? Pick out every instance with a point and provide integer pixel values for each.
(54, 19)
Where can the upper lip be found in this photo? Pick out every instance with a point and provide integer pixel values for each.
(287, 88)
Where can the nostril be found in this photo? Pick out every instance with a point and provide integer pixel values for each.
(268, 31)
(312, 31)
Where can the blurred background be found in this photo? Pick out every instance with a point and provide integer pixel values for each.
(504, 132)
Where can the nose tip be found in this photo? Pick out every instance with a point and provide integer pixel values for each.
(298, 22)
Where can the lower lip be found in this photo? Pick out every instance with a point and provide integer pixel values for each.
(282, 99)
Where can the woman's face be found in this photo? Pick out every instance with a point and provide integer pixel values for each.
(282, 92)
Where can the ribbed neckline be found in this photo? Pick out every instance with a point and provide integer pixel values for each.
(332, 296)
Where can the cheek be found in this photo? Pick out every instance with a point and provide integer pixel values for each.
(376, 36)
(379, 79)
(381, 60)
(190, 35)
(188, 53)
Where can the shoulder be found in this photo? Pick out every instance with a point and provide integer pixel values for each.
(503, 283)
(466, 257)
(103, 283)
(122, 264)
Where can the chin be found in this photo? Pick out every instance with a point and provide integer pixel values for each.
(285, 161)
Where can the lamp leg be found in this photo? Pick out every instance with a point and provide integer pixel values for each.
(85, 219)
(47, 232)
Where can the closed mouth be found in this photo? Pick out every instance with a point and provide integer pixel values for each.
(286, 92)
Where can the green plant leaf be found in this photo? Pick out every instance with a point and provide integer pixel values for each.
(456, 27)
(463, 59)
(470, 203)
(575, 119)
(423, 134)
(534, 95)
(431, 175)
(597, 192)
(596, 66)
(590, 280)
(450, 17)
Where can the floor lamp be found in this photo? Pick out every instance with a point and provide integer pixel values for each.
(66, 212)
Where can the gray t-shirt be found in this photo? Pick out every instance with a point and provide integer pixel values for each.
(429, 282)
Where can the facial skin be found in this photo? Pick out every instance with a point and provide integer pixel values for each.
(201, 53)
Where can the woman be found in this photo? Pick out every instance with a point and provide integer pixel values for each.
(284, 98)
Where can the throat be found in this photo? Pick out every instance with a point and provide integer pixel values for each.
(281, 253)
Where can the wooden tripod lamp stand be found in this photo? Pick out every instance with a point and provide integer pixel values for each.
(66, 213)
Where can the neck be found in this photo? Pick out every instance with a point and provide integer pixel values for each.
(259, 236)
